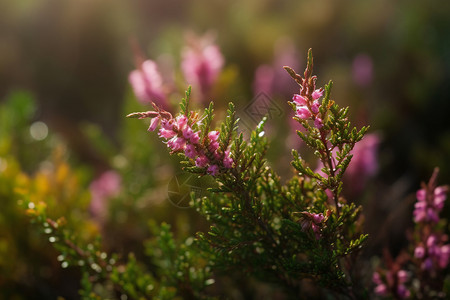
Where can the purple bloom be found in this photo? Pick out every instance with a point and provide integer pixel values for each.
(299, 100)
(201, 161)
(403, 292)
(190, 151)
(227, 160)
(303, 113)
(213, 170)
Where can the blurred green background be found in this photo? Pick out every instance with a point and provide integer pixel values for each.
(389, 61)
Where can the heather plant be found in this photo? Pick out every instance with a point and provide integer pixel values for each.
(419, 271)
(293, 238)
(275, 232)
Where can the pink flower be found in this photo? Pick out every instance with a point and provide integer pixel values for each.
(317, 94)
(403, 292)
(147, 84)
(213, 170)
(201, 64)
(104, 187)
(444, 256)
(187, 133)
(421, 195)
(181, 122)
(315, 107)
(318, 123)
(381, 290)
(167, 133)
(303, 113)
(195, 138)
(227, 160)
(440, 195)
(176, 143)
(190, 151)
(263, 80)
(167, 124)
(419, 252)
(299, 100)
(213, 146)
(153, 123)
(313, 221)
(213, 136)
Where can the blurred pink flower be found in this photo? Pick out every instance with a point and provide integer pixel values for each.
(147, 84)
(362, 69)
(364, 163)
(201, 63)
(428, 207)
(104, 187)
(388, 284)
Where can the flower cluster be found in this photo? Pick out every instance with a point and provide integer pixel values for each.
(429, 204)
(392, 282)
(181, 137)
(428, 256)
(307, 104)
(201, 65)
(433, 254)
